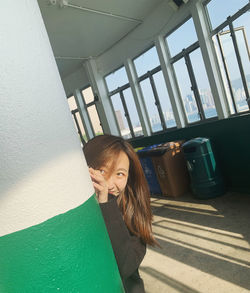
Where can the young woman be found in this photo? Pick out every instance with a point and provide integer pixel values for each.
(123, 195)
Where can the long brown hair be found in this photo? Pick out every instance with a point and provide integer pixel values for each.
(134, 202)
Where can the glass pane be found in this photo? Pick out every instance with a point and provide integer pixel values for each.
(223, 74)
(132, 112)
(95, 121)
(164, 99)
(203, 84)
(147, 61)
(242, 31)
(79, 120)
(72, 103)
(120, 116)
(233, 71)
(186, 92)
(116, 79)
(182, 37)
(150, 105)
(218, 11)
(88, 95)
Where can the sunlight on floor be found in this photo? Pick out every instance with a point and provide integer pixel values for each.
(204, 247)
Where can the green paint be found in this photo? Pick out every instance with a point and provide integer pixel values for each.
(68, 253)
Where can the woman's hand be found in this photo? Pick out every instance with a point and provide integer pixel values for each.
(100, 185)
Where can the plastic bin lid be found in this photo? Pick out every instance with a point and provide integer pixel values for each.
(161, 149)
(197, 145)
(195, 142)
(146, 150)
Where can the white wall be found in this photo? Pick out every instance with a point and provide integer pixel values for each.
(76, 80)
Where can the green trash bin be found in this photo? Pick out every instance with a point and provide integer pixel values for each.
(206, 178)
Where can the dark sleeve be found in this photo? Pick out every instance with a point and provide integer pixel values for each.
(129, 250)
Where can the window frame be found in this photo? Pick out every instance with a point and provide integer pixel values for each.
(73, 113)
(149, 74)
(93, 103)
(216, 32)
(184, 53)
(119, 90)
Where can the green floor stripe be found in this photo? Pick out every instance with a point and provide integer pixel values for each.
(68, 253)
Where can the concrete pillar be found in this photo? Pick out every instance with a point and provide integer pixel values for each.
(168, 73)
(138, 97)
(210, 60)
(52, 234)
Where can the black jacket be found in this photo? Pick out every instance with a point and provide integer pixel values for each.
(129, 250)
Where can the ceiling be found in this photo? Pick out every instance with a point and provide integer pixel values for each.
(79, 29)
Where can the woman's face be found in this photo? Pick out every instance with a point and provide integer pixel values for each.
(116, 173)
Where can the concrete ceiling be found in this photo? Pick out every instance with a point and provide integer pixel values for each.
(79, 29)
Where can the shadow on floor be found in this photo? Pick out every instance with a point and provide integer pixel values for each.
(210, 235)
(167, 280)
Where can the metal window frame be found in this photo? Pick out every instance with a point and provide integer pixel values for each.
(185, 54)
(87, 105)
(73, 112)
(119, 91)
(149, 75)
(219, 31)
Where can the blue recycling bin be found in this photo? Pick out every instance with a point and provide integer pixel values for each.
(149, 171)
(206, 178)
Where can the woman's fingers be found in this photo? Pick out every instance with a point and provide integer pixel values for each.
(100, 185)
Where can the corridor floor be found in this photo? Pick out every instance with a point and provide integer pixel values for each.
(204, 245)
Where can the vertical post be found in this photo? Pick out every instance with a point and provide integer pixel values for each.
(48, 211)
(210, 60)
(137, 94)
(174, 96)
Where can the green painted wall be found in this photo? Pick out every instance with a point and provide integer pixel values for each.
(68, 253)
(231, 139)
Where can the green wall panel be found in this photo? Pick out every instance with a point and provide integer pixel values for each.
(231, 141)
(70, 252)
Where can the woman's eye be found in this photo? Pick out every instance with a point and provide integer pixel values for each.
(120, 174)
(102, 171)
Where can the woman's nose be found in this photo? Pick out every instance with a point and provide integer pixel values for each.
(110, 182)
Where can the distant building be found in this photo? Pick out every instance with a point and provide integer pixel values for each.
(119, 119)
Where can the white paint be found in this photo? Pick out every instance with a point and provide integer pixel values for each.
(140, 39)
(76, 80)
(42, 170)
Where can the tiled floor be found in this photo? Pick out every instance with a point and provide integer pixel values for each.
(204, 245)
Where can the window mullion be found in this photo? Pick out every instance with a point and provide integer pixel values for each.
(78, 126)
(226, 72)
(157, 102)
(127, 114)
(194, 86)
(84, 114)
(236, 48)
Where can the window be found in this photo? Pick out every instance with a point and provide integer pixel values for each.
(190, 73)
(183, 37)
(230, 37)
(77, 119)
(218, 11)
(123, 104)
(90, 105)
(154, 91)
